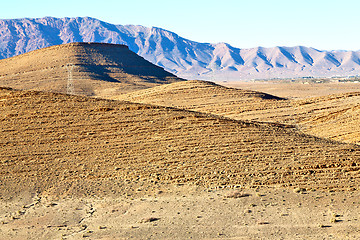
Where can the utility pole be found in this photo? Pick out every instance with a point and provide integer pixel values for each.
(70, 89)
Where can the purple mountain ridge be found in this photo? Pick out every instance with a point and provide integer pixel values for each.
(185, 58)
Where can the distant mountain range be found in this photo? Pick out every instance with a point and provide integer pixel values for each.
(183, 57)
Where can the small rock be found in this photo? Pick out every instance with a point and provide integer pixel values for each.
(236, 194)
(20, 212)
(299, 190)
(151, 219)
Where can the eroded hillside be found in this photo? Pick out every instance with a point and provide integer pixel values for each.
(71, 145)
(335, 116)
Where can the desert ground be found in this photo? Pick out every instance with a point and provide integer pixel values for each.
(147, 155)
(184, 212)
(296, 90)
(104, 169)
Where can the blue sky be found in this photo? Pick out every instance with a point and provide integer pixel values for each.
(323, 24)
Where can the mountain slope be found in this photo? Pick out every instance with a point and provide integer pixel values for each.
(181, 56)
(82, 68)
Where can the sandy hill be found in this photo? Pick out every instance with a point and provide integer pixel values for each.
(82, 68)
(204, 96)
(208, 97)
(334, 116)
(72, 145)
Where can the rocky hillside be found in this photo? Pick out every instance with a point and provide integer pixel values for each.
(183, 57)
(75, 145)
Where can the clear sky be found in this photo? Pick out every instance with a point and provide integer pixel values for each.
(323, 24)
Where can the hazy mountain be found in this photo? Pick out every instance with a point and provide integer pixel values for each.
(181, 56)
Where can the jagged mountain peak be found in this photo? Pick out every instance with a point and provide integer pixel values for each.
(186, 58)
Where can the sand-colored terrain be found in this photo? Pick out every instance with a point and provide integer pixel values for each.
(92, 69)
(163, 158)
(57, 143)
(208, 97)
(296, 90)
(334, 116)
(76, 167)
(186, 213)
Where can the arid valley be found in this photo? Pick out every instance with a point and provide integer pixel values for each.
(98, 143)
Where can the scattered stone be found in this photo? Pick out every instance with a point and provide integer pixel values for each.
(299, 190)
(323, 226)
(151, 219)
(236, 194)
(21, 212)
